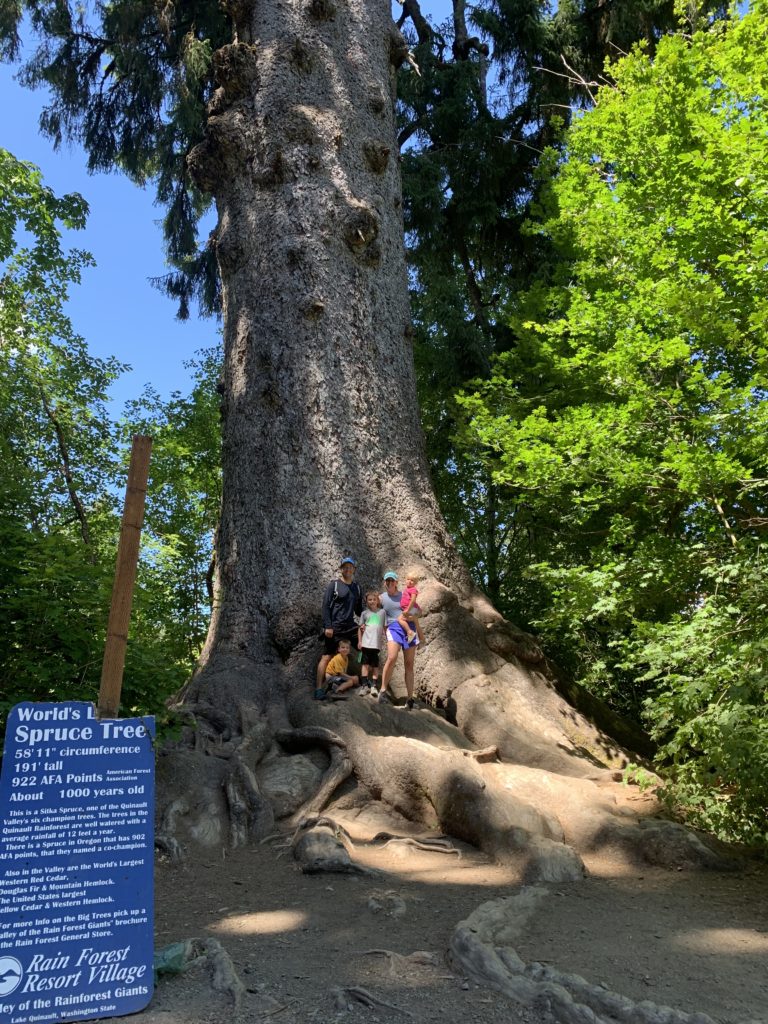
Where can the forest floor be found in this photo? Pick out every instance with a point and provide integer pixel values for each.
(693, 940)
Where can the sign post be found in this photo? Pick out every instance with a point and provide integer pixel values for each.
(76, 860)
(125, 578)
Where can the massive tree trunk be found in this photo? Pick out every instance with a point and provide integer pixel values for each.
(323, 455)
(323, 452)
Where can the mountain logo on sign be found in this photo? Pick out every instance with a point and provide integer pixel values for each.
(10, 975)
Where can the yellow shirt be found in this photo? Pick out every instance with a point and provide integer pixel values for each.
(337, 666)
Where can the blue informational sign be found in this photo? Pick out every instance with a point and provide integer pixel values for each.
(76, 857)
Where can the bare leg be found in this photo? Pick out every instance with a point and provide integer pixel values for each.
(321, 667)
(407, 627)
(409, 656)
(393, 650)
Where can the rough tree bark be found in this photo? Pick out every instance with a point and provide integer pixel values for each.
(323, 454)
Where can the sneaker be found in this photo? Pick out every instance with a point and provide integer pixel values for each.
(363, 691)
(374, 692)
(409, 703)
(320, 694)
(384, 698)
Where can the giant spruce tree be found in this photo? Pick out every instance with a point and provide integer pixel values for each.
(282, 112)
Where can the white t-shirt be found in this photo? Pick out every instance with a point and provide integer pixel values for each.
(373, 623)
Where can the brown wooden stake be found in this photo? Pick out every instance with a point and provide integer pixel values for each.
(125, 579)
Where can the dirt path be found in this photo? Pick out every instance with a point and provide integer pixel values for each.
(694, 941)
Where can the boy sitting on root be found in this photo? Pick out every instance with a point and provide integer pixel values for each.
(337, 679)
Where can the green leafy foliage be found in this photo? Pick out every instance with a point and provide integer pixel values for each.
(474, 125)
(57, 449)
(63, 477)
(627, 425)
(708, 705)
(181, 517)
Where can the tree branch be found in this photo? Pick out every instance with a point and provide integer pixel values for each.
(726, 525)
(412, 10)
(61, 442)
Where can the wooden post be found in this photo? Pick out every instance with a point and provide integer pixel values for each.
(125, 579)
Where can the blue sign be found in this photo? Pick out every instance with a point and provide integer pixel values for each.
(76, 858)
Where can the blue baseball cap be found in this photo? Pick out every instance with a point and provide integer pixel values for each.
(348, 560)
(389, 575)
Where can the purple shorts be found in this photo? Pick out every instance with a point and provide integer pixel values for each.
(396, 634)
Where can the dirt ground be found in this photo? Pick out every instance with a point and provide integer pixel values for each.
(696, 941)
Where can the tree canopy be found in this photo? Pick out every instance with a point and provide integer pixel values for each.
(497, 84)
(628, 421)
(63, 471)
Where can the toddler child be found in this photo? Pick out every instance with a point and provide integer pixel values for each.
(410, 608)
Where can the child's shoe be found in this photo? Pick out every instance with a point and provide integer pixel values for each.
(320, 694)
(374, 693)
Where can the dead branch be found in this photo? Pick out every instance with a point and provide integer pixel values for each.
(412, 10)
(398, 962)
(579, 79)
(726, 524)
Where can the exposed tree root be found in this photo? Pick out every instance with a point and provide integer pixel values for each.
(345, 998)
(436, 844)
(452, 792)
(482, 949)
(399, 963)
(224, 977)
(340, 767)
(484, 756)
(523, 776)
(391, 902)
(250, 814)
(169, 847)
(222, 724)
(502, 695)
(278, 1009)
(321, 845)
(181, 956)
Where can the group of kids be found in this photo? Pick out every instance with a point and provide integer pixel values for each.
(364, 630)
